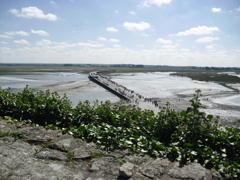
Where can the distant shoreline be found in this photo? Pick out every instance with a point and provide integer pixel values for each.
(228, 113)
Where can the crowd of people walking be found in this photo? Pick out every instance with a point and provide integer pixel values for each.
(128, 94)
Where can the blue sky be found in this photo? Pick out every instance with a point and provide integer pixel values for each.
(154, 32)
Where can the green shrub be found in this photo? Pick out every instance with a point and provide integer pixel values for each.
(42, 107)
(186, 136)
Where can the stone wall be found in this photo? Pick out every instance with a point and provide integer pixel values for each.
(48, 154)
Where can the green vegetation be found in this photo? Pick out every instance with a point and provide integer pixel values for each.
(97, 155)
(230, 87)
(209, 76)
(16, 135)
(119, 160)
(70, 156)
(186, 136)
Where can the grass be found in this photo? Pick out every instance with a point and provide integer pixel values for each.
(230, 87)
(209, 76)
(70, 156)
(16, 135)
(95, 155)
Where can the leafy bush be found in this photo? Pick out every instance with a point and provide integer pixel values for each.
(42, 107)
(186, 136)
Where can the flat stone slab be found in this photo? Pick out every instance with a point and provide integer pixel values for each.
(51, 154)
(156, 168)
(191, 171)
(126, 170)
(42, 155)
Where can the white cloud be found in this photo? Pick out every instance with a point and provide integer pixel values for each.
(210, 48)
(5, 48)
(160, 40)
(185, 50)
(115, 55)
(52, 2)
(112, 29)
(216, 10)
(169, 47)
(90, 45)
(23, 41)
(102, 39)
(132, 12)
(63, 45)
(206, 39)
(159, 3)
(33, 12)
(198, 31)
(4, 36)
(116, 45)
(72, 1)
(40, 32)
(21, 33)
(136, 26)
(238, 9)
(44, 42)
(145, 35)
(3, 42)
(114, 40)
(116, 11)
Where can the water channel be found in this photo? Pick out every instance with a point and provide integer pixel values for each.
(152, 85)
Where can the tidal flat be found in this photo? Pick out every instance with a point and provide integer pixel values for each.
(161, 85)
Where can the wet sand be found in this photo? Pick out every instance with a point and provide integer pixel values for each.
(227, 113)
(78, 90)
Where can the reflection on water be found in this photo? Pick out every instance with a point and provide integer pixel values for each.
(231, 100)
(79, 88)
(162, 85)
(76, 86)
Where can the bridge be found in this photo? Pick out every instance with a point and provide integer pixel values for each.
(124, 93)
(109, 85)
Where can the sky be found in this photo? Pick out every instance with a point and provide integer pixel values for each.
(150, 32)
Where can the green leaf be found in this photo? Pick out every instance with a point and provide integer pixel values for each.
(188, 144)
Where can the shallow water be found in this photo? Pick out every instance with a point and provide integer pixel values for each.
(162, 85)
(231, 100)
(79, 88)
(73, 84)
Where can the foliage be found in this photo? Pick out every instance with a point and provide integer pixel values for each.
(70, 156)
(119, 160)
(186, 136)
(42, 107)
(16, 135)
(96, 154)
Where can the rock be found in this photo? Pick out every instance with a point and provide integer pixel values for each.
(43, 155)
(126, 170)
(84, 150)
(6, 140)
(191, 171)
(138, 159)
(139, 176)
(64, 143)
(156, 168)
(6, 126)
(52, 154)
(45, 170)
(81, 154)
(39, 134)
(118, 153)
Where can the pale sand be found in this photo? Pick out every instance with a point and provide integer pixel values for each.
(227, 113)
